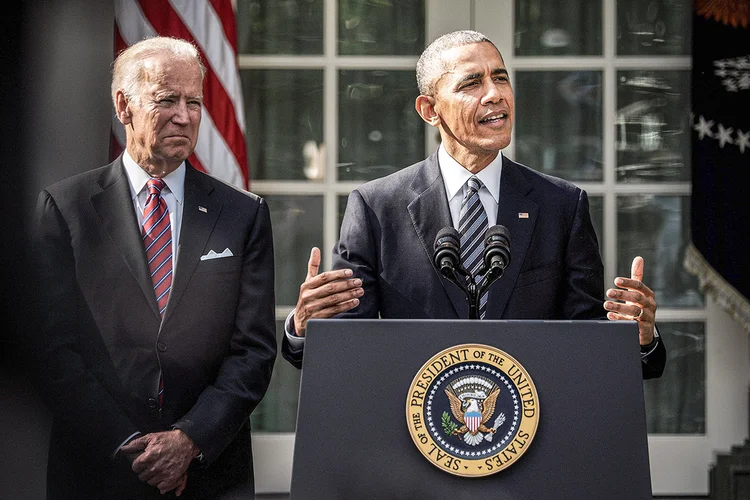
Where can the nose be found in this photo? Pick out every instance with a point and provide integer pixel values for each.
(491, 94)
(181, 112)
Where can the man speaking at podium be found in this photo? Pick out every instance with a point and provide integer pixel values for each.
(383, 263)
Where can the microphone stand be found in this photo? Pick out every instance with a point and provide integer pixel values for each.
(475, 291)
(447, 260)
(471, 289)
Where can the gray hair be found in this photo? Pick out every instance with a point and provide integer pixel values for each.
(129, 69)
(431, 65)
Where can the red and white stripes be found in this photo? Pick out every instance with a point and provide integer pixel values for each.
(221, 149)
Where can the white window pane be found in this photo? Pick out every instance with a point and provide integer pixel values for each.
(379, 130)
(381, 27)
(277, 411)
(653, 126)
(676, 402)
(654, 27)
(552, 27)
(288, 27)
(657, 229)
(558, 123)
(297, 223)
(284, 117)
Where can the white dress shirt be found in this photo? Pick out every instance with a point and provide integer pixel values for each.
(173, 194)
(455, 177)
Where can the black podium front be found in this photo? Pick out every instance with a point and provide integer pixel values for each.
(353, 439)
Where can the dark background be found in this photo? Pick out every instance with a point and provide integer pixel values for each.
(54, 121)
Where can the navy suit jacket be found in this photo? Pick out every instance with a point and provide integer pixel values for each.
(388, 235)
(102, 343)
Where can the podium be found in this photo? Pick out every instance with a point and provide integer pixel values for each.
(353, 438)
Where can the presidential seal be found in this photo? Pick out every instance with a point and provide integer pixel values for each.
(472, 410)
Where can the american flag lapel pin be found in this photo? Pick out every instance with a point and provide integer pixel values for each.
(523, 215)
(203, 209)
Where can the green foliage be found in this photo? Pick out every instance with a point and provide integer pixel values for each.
(449, 426)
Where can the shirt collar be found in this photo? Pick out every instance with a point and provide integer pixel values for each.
(455, 175)
(138, 178)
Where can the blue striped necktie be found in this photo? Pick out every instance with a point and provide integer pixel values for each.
(472, 226)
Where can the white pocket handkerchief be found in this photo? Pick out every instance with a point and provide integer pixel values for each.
(213, 255)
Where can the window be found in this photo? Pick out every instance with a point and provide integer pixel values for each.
(610, 111)
(329, 90)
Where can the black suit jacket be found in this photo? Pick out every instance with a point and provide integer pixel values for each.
(102, 343)
(388, 235)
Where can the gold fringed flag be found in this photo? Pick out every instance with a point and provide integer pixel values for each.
(720, 212)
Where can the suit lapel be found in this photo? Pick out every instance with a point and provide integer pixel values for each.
(513, 208)
(114, 206)
(430, 213)
(199, 215)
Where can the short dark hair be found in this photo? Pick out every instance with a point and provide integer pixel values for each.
(431, 65)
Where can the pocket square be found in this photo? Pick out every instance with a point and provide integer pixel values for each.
(213, 255)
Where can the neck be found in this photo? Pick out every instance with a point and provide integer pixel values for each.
(474, 163)
(155, 167)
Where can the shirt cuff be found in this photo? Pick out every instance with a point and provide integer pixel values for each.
(295, 342)
(127, 440)
(649, 348)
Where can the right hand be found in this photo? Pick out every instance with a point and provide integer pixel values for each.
(162, 459)
(326, 294)
(179, 486)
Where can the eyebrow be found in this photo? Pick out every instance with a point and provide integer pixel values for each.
(172, 94)
(474, 76)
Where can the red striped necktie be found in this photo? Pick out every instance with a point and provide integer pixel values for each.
(157, 239)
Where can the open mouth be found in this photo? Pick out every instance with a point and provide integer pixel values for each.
(494, 118)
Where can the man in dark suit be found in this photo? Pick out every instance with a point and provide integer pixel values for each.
(383, 263)
(157, 335)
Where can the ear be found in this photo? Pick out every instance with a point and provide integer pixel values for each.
(425, 106)
(122, 108)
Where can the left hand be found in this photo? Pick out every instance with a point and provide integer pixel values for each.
(164, 458)
(637, 302)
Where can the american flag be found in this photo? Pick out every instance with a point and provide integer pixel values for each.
(210, 24)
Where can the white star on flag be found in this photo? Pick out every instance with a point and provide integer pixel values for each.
(743, 140)
(725, 135)
(704, 127)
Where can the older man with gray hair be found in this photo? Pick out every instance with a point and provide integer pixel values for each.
(157, 334)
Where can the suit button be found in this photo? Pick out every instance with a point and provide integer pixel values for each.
(151, 403)
(161, 346)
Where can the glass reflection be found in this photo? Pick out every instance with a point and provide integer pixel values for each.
(551, 27)
(658, 229)
(379, 130)
(382, 27)
(676, 402)
(342, 201)
(653, 125)
(596, 210)
(297, 223)
(290, 27)
(284, 120)
(277, 411)
(654, 27)
(558, 128)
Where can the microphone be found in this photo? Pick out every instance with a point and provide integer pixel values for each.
(497, 250)
(447, 255)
